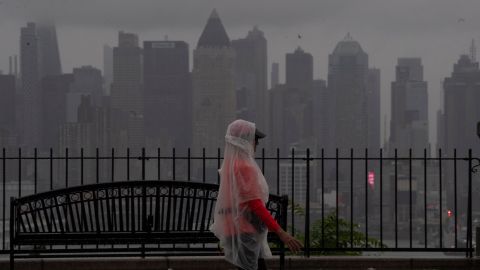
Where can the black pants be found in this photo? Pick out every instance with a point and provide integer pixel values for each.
(261, 265)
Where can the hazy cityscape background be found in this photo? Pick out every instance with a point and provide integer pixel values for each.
(323, 75)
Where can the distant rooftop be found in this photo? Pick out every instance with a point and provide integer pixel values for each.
(348, 46)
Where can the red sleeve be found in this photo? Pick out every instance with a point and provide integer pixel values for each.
(261, 211)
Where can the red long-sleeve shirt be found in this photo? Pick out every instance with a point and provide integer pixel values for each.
(257, 207)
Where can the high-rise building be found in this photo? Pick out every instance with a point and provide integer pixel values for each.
(54, 108)
(39, 57)
(460, 116)
(30, 70)
(409, 120)
(274, 75)
(347, 83)
(7, 102)
(213, 87)
(251, 77)
(7, 111)
(126, 93)
(87, 81)
(299, 70)
(49, 52)
(167, 90)
(373, 110)
(107, 68)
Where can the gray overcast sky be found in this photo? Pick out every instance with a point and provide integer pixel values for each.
(386, 29)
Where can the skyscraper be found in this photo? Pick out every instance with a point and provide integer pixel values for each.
(347, 83)
(87, 81)
(409, 120)
(126, 93)
(30, 70)
(274, 75)
(107, 68)
(54, 108)
(213, 86)
(39, 57)
(461, 114)
(49, 52)
(373, 110)
(7, 102)
(299, 70)
(167, 85)
(251, 76)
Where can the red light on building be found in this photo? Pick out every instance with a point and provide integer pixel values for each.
(371, 179)
(449, 213)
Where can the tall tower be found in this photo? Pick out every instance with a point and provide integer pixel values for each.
(461, 114)
(30, 69)
(251, 77)
(409, 121)
(49, 52)
(167, 84)
(126, 93)
(299, 70)
(213, 86)
(347, 82)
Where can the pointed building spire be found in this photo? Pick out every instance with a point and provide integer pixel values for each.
(214, 14)
(214, 34)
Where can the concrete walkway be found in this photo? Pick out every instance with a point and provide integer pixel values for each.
(217, 263)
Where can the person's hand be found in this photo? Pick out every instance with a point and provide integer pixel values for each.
(293, 244)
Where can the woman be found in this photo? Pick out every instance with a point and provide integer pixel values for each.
(241, 221)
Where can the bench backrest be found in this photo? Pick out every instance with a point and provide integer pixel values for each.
(133, 206)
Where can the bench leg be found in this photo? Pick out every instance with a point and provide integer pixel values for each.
(12, 263)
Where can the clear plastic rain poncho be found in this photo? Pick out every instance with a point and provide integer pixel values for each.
(242, 234)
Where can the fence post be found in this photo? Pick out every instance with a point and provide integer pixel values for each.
(307, 206)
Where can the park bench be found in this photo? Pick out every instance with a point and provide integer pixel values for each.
(132, 218)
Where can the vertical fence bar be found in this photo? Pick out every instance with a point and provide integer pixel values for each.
(81, 166)
(19, 172)
(425, 194)
(158, 164)
(440, 196)
(112, 165)
(396, 198)
(470, 209)
(381, 198)
(351, 199)
(366, 197)
(278, 171)
(323, 198)
(188, 165)
(128, 164)
(143, 163)
(203, 163)
(66, 167)
(455, 193)
(410, 190)
(35, 176)
(293, 190)
(97, 176)
(173, 163)
(51, 168)
(4, 178)
(336, 199)
(307, 206)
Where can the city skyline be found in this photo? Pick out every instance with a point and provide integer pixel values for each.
(295, 30)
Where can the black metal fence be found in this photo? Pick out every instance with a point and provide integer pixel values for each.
(340, 202)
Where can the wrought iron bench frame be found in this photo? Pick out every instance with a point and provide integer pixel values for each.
(86, 218)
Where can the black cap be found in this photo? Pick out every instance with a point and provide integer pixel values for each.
(259, 134)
